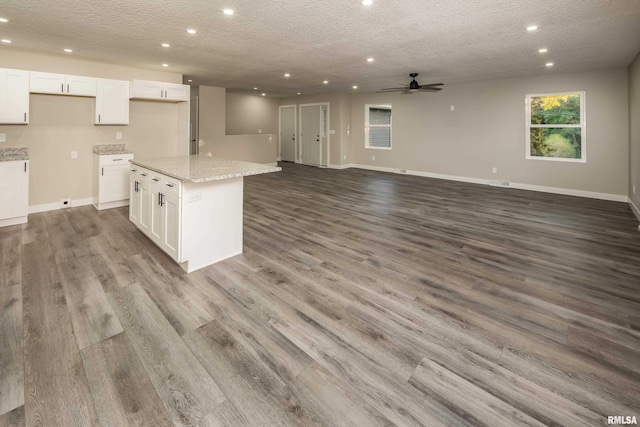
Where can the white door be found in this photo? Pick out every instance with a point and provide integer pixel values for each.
(157, 212)
(310, 137)
(14, 96)
(47, 83)
(145, 89)
(80, 85)
(177, 92)
(114, 183)
(145, 202)
(112, 102)
(288, 133)
(134, 198)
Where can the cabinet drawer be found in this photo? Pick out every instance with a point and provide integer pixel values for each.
(115, 159)
(172, 186)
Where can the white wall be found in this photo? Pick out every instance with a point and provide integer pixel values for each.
(61, 124)
(487, 129)
(250, 114)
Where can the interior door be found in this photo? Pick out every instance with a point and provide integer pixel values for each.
(310, 134)
(288, 133)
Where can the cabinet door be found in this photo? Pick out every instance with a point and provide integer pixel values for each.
(134, 198)
(145, 202)
(157, 212)
(177, 92)
(14, 189)
(47, 83)
(114, 183)
(171, 231)
(14, 96)
(80, 86)
(143, 89)
(112, 102)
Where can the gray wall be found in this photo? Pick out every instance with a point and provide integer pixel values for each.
(634, 133)
(213, 140)
(251, 114)
(487, 129)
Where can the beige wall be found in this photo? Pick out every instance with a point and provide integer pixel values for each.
(634, 132)
(61, 124)
(487, 129)
(251, 114)
(339, 117)
(214, 141)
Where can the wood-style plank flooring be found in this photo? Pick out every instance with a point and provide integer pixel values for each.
(362, 298)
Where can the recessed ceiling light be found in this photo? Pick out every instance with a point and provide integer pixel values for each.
(68, 50)
(532, 27)
(255, 88)
(264, 94)
(549, 64)
(191, 31)
(165, 65)
(369, 59)
(165, 45)
(354, 87)
(189, 80)
(367, 2)
(543, 50)
(4, 20)
(228, 11)
(326, 82)
(287, 75)
(5, 41)
(299, 93)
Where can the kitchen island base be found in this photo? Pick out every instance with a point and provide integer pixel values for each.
(191, 207)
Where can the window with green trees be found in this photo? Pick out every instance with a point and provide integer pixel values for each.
(556, 126)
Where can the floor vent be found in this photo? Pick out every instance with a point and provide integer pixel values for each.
(495, 183)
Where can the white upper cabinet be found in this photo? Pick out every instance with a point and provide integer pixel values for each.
(14, 96)
(159, 91)
(112, 102)
(60, 84)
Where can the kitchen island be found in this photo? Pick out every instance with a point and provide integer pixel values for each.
(191, 206)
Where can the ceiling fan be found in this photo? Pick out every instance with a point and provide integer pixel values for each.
(415, 87)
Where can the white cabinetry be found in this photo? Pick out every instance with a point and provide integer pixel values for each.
(112, 102)
(60, 84)
(140, 195)
(159, 91)
(14, 192)
(14, 96)
(111, 184)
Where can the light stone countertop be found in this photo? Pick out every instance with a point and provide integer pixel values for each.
(106, 149)
(199, 168)
(13, 154)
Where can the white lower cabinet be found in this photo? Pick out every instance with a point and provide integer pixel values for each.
(14, 192)
(111, 182)
(140, 198)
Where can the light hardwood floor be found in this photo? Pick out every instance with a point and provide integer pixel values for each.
(362, 298)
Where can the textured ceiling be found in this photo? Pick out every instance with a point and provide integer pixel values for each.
(443, 40)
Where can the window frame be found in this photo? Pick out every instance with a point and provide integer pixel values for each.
(367, 126)
(582, 126)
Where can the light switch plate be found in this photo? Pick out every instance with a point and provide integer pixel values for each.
(118, 135)
(74, 154)
(3, 137)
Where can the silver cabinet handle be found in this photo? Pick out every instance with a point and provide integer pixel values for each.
(161, 93)
(98, 118)
(116, 160)
(143, 174)
(62, 87)
(170, 185)
(25, 117)
(155, 179)
(133, 170)
(102, 171)
(25, 166)
(67, 87)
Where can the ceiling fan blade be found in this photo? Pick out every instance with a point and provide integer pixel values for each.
(392, 89)
(430, 89)
(407, 92)
(432, 84)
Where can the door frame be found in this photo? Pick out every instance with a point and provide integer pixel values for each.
(295, 130)
(328, 135)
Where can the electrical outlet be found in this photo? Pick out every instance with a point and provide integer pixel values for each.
(3, 137)
(74, 154)
(259, 130)
(345, 157)
(118, 135)
(634, 189)
(494, 170)
(453, 107)
(373, 157)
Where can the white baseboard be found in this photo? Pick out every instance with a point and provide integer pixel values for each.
(347, 166)
(540, 188)
(13, 221)
(634, 209)
(54, 206)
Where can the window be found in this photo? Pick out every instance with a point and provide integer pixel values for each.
(556, 126)
(377, 126)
